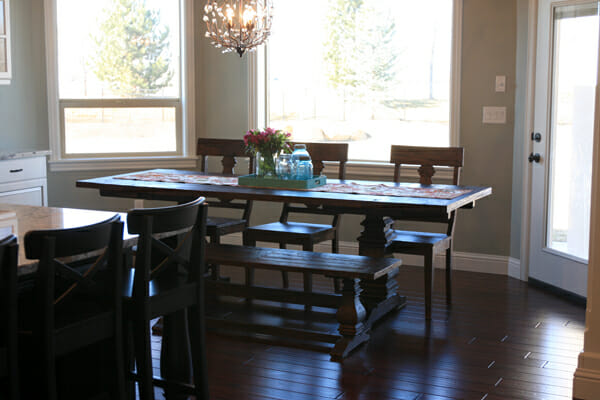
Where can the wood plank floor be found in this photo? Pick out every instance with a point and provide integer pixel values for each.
(500, 340)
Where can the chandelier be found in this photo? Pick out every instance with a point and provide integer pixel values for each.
(238, 25)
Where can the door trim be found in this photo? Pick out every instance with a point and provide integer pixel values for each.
(532, 18)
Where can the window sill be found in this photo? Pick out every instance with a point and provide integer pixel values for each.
(123, 163)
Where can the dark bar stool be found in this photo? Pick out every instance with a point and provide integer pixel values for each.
(167, 280)
(75, 303)
(9, 368)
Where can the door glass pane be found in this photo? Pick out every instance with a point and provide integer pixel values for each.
(120, 130)
(575, 53)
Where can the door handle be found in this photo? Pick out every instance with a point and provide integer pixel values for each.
(534, 157)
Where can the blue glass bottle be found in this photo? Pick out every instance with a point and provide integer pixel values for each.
(301, 162)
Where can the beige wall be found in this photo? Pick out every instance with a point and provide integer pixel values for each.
(489, 47)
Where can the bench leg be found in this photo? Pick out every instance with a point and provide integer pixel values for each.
(381, 297)
(350, 315)
(308, 281)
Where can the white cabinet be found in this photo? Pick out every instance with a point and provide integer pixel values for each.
(23, 181)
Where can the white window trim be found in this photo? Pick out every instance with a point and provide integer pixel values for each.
(257, 104)
(187, 159)
(5, 77)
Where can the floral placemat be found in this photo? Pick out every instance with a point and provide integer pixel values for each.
(349, 188)
(181, 178)
(390, 190)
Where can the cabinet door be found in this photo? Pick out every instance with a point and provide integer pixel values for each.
(33, 196)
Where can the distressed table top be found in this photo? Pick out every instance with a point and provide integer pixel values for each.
(31, 218)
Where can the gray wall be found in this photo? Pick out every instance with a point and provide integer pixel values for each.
(23, 110)
(489, 49)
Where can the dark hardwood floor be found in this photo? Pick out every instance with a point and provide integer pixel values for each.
(501, 340)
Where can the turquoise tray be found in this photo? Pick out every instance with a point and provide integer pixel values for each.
(255, 181)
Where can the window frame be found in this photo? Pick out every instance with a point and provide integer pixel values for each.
(258, 105)
(5, 77)
(183, 157)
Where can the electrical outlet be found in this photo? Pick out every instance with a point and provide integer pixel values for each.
(494, 115)
(500, 83)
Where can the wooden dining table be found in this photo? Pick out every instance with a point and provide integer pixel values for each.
(377, 202)
(375, 205)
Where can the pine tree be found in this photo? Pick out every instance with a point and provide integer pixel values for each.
(132, 49)
(360, 56)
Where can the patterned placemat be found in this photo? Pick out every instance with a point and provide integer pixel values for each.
(349, 188)
(181, 178)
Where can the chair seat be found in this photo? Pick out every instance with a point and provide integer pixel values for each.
(409, 239)
(288, 231)
(222, 225)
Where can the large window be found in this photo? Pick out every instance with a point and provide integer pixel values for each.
(119, 71)
(368, 72)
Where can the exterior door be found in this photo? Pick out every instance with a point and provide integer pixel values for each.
(561, 161)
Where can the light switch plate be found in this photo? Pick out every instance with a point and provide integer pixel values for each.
(494, 115)
(500, 83)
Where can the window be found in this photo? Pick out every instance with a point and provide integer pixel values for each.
(119, 84)
(368, 72)
(5, 73)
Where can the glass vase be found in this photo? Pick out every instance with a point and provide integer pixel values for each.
(265, 164)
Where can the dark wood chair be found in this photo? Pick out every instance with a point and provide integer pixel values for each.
(75, 303)
(9, 371)
(228, 150)
(427, 244)
(167, 278)
(305, 234)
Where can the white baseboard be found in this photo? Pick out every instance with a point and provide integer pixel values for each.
(586, 383)
(461, 261)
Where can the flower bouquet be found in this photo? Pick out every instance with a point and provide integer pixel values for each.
(266, 146)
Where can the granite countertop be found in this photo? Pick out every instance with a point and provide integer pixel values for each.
(14, 154)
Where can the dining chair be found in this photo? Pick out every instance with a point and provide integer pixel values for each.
(286, 232)
(229, 150)
(427, 244)
(75, 303)
(9, 371)
(167, 278)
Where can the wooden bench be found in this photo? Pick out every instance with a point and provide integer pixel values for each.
(369, 292)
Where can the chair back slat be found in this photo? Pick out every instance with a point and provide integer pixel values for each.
(427, 158)
(164, 219)
(319, 154)
(322, 152)
(227, 149)
(70, 242)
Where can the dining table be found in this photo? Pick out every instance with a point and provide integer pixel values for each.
(378, 202)
(30, 218)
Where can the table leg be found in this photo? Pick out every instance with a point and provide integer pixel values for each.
(374, 237)
(175, 362)
(350, 315)
(380, 296)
